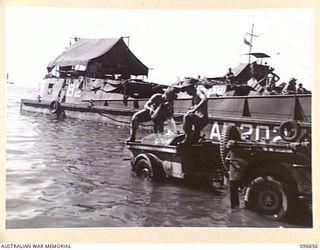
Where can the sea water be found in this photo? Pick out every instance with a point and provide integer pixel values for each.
(76, 173)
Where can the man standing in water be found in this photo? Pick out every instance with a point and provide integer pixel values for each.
(158, 108)
(197, 117)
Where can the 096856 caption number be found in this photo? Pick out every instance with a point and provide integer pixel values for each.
(308, 246)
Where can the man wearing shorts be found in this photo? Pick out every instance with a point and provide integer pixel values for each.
(158, 108)
(197, 117)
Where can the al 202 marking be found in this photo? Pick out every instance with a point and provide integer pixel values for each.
(246, 129)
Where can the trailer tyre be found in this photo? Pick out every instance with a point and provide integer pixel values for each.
(231, 133)
(143, 169)
(270, 197)
(149, 167)
(289, 130)
(54, 107)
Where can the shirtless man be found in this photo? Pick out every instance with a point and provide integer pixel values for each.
(158, 108)
(197, 117)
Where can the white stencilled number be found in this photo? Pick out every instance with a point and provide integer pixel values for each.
(77, 93)
(70, 90)
(261, 128)
(73, 90)
(278, 137)
(247, 128)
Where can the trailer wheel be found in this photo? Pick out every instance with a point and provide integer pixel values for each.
(54, 107)
(143, 169)
(231, 133)
(289, 130)
(270, 197)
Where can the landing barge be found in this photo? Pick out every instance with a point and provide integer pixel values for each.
(94, 79)
(103, 81)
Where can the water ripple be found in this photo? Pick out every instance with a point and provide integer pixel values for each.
(71, 174)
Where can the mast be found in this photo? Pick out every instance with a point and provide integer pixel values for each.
(251, 36)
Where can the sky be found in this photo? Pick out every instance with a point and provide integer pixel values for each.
(173, 43)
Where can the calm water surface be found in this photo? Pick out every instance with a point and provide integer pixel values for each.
(74, 174)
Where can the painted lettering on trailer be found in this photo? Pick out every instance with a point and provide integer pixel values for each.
(255, 132)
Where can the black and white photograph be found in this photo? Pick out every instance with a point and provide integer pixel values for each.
(162, 118)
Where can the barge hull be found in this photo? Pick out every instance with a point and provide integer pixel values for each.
(258, 117)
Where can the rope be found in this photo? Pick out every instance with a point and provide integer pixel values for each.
(128, 123)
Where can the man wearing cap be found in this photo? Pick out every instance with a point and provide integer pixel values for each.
(290, 88)
(197, 117)
(301, 89)
(158, 108)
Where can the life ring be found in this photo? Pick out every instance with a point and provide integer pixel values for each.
(54, 107)
(289, 130)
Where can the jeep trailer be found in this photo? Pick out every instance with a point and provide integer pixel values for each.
(160, 156)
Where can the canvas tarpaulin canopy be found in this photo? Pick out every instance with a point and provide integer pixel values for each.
(106, 56)
(259, 55)
(244, 71)
(136, 88)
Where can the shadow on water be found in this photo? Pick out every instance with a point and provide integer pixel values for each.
(71, 173)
